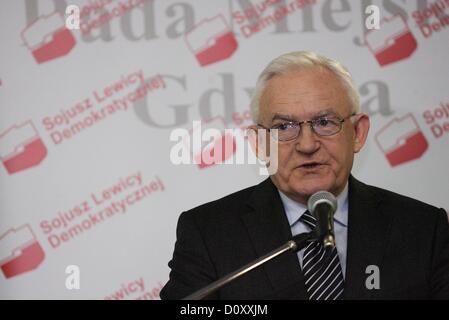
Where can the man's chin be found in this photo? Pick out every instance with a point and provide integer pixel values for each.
(308, 186)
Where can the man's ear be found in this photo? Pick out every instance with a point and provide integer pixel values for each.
(361, 127)
(257, 142)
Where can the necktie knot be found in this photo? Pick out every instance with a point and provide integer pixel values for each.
(308, 220)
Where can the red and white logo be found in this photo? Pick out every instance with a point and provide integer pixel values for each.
(401, 140)
(20, 252)
(392, 42)
(48, 38)
(211, 40)
(21, 147)
(214, 149)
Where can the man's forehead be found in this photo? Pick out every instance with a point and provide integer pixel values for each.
(294, 97)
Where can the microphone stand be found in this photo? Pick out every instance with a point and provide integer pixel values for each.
(297, 243)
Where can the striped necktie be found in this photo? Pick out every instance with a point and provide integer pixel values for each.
(321, 268)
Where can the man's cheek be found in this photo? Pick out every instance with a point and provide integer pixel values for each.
(284, 157)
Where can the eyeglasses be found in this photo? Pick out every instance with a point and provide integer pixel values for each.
(325, 125)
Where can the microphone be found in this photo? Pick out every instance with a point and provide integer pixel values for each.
(322, 205)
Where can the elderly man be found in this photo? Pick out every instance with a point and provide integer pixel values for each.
(312, 102)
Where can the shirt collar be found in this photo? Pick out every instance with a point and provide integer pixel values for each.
(295, 210)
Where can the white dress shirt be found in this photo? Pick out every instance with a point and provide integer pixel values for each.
(295, 210)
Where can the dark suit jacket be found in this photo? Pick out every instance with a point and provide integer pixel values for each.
(408, 240)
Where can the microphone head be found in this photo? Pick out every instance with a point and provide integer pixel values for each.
(322, 197)
(325, 225)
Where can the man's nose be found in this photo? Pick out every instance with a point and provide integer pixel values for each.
(307, 141)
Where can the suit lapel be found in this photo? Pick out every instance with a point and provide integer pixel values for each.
(268, 229)
(368, 231)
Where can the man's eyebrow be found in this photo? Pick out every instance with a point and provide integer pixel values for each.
(286, 117)
(280, 116)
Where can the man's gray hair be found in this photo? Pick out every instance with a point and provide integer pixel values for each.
(300, 60)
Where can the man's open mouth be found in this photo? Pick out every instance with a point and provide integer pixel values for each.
(310, 165)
